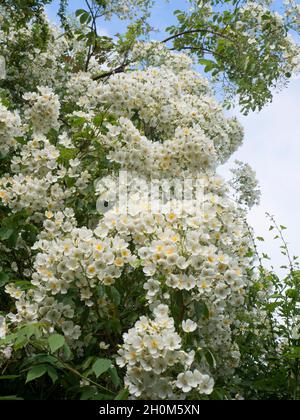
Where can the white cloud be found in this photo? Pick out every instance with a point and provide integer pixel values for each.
(103, 31)
(272, 147)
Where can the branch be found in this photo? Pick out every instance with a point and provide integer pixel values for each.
(119, 69)
(195, 31)
(93, 29)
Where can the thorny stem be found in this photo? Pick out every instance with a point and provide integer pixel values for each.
(285, 245)
(292, 270)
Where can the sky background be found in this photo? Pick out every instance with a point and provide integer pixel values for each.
(271, 145)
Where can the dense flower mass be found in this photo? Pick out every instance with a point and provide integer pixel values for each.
(174, 101)
(160, 123)
(9, 129)
(35, 180)
(126, 8)
(245, 183)
(43, 113)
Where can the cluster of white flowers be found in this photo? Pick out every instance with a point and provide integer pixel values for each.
(38, 156)
(159, 101)
(125, 9)
(258, 15)
(34, 184)
(52, 312)
(31, 193)
(203, 254)
(43, 112)
(293, 12)
(190, 150)
(158, 122)
(36, 180)
(180, 130)
(245, 184)
(256, 10)
(81, 89)
(37, 64)
(152, 351)
(78, 258)
(156, 54)
(295, 330)
(189, 380)
(10, 128)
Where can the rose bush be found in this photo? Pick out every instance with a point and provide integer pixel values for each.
(150, 303)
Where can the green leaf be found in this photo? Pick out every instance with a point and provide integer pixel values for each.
(8, 339)
(115, 377)
(98, 120)
(101, 397)
(29, 330)
(101, 366)
(21, 342)
(36, 372)
(67, 352)
(80, 12)
(210, 358)
(249, 254)
(291, 293)
(88, 393)
(272, 306)
(201, 310)
(293, 353)
(52, 373)
(86, 364)
(67, 154)
(78, 121)
(115, 295)
(5, 233)
(85, 18)
(4, 279)
(56, 341)
(260, 238)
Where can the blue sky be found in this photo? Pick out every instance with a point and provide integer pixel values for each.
(271, 145)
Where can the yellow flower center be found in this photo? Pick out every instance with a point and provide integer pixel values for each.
(119, 262)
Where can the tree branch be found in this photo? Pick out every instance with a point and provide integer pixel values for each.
(117, 70)
(93, 29)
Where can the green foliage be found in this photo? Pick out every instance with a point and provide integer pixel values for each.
(244, 49)
(36, 372)
(100, 366)
(270, 344)
(56, 342)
